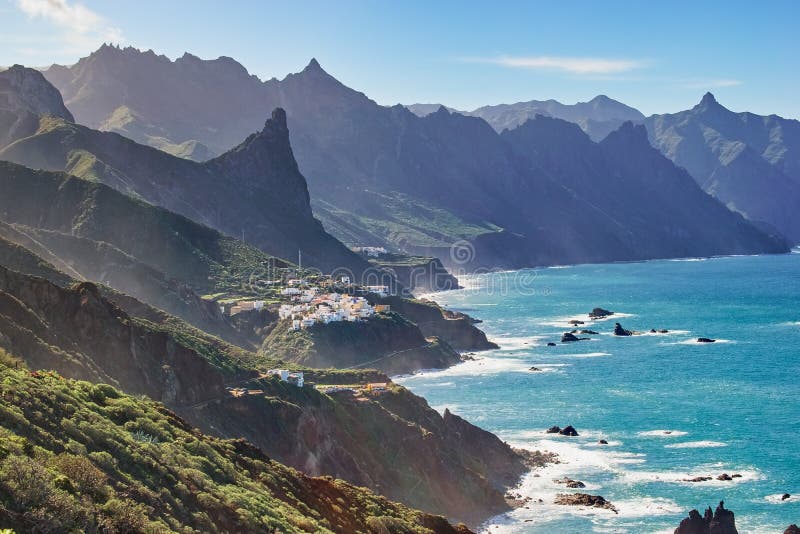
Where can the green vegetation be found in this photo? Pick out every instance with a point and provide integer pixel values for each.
(82, 457)
(400, 221)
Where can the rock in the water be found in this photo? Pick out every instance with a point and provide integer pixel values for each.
(663, 331)
(697, 479)
(724, 476)
(570, 483)
(568, 431)
(719, 522)
(554, 429)
(575, 322)
(584, 499)
(706, 340)
(602, 442)
(569, 337)
(792, 529)
(599, 313)
(551, 344)
(785, 496)
(619, 331)
(653, 331)
(590, 332)
(534, 369)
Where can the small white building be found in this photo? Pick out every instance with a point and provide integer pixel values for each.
(290, 292)
(292, 377)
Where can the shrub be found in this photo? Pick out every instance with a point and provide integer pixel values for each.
(85, 477)
(28, 482)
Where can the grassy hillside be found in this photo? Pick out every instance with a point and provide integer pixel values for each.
(82, 457)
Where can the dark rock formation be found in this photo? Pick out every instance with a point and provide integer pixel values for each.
(792, 529)
(786, 496)
(569, 337)
(535, 369)
(554, 429)
(589, 332)
(697, 479)
(705, 340)
(584, 499)
(600, 313)
(720, 521)
(724, 476)
(575, 322)
(619, 331)
(602, 442)
(568, 431)
(551, 344)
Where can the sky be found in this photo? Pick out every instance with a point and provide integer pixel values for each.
(659, 57)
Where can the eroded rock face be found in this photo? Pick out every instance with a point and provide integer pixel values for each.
(25, 96)
(721, 521)
(792, 529)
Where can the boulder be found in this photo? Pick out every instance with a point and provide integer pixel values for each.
(619, 331)
(719, 522)
(551, 344)
(569, 337)
(602, 442)
(584, 499)
(785, 496)
(599, 313)
(576, 322)
(724, 476)
(663, 331)
(554, 429)
(568, 430)
(534, 369)
(705, 340)
(792, 529)
(590, 332)
(697, 479)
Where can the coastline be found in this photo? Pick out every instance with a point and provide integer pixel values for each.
(622, 459)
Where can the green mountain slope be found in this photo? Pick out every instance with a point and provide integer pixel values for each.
(82, 457)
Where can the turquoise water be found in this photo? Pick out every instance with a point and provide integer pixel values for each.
(731, 407)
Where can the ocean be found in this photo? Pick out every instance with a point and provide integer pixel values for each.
(670, 408)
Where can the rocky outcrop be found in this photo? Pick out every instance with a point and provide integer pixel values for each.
(568, 430)
(569, 337)
(25, 97)
(393, 443)
(706, 340)
(619, 331)
(721, 521)
(600, 313)
(792, 529)
(457, 329)
(388, 342)
(584, 499)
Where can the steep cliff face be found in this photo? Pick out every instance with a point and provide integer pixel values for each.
(254, 191)
(457, 329)
(25, 96)
(387, 342)
(383, 176)
(751, 163)
(80, 334)
(392, 443)
(721, 521)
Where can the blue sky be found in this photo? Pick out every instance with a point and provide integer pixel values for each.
(657, 56)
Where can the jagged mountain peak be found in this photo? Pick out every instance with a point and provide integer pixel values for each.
(629, 134)
(313, 65)
(25, 97)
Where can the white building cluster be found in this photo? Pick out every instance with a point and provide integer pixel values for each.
(309, 307)
(292, 377)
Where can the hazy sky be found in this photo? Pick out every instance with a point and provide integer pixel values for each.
(657, 56)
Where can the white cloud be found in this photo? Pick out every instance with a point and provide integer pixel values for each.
(83, 28)
(711, 84)
(573, 65)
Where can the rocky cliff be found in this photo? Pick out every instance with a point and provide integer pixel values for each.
(388, 342)
(392, 443)
(718, 522)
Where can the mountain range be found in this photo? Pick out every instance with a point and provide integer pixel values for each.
(384, 176)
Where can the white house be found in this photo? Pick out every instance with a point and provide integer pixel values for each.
(290, 292)
(292, 377)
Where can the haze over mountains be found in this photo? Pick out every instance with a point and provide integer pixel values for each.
(384, 176)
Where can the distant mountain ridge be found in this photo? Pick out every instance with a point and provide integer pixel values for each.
(597, 117)
(254, 191)
(383, 176)
(749, 162)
